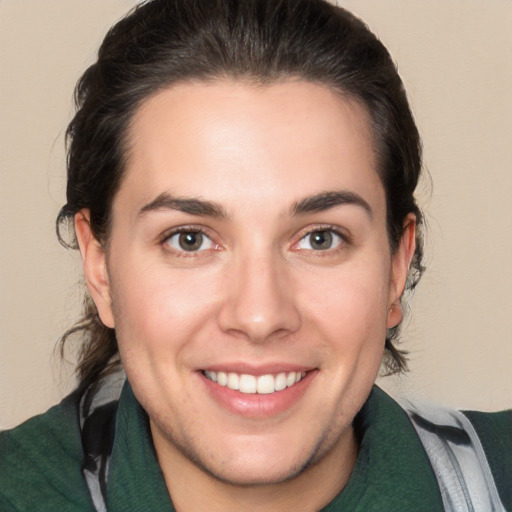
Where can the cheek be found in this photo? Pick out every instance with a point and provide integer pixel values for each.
(350, 297)
(158, 318)
(350, 309)
(160, 311)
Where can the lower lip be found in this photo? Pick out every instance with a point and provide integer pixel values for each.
(254, 405)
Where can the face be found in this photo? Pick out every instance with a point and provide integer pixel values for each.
(248, 274)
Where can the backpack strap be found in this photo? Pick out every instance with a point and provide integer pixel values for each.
(97, 416)
(458, 459)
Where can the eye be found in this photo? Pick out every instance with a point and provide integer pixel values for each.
(190, 241)
(320, 240)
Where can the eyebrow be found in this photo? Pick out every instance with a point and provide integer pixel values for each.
(331, 199)
(310, 204)
(192, 206)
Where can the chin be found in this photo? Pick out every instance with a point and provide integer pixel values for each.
(258, 462)
(253, 474)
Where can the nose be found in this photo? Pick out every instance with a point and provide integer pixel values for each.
(258, 301)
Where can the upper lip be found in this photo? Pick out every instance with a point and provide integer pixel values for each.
(256, 370)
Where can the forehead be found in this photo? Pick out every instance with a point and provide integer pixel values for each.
(233, 139)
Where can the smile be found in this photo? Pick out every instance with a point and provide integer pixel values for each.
(250, 384)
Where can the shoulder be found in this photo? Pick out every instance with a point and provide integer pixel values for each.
(40, 462)
(470, 452)
(495, 433)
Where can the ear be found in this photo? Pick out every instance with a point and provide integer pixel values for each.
(400, 263)
(95, 267)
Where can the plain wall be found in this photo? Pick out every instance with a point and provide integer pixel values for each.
(455, 57)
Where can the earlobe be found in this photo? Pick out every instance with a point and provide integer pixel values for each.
(395, 315)
(400, 269)
(95, 267)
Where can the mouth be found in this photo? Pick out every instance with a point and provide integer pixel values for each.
(250, 384)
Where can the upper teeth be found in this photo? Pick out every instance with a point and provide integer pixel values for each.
(263, 384)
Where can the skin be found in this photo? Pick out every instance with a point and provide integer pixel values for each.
(257, 295)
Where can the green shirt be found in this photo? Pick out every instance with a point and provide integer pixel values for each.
(41, 461)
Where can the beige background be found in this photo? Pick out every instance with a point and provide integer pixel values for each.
(456, 59)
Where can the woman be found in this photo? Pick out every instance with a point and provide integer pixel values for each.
(241, 180)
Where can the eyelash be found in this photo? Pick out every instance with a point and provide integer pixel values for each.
(198, 230)
(344, 239)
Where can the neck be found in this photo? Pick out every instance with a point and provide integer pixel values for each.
(195, 490)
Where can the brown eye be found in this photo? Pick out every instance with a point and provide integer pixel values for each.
(189, 241)
(321, 240)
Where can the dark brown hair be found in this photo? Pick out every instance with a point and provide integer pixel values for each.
(162, 42)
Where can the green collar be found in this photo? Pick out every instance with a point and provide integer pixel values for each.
(135, 481)
(392, 471)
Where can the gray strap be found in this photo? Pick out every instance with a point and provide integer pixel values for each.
(96, 442)
(458, 459)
